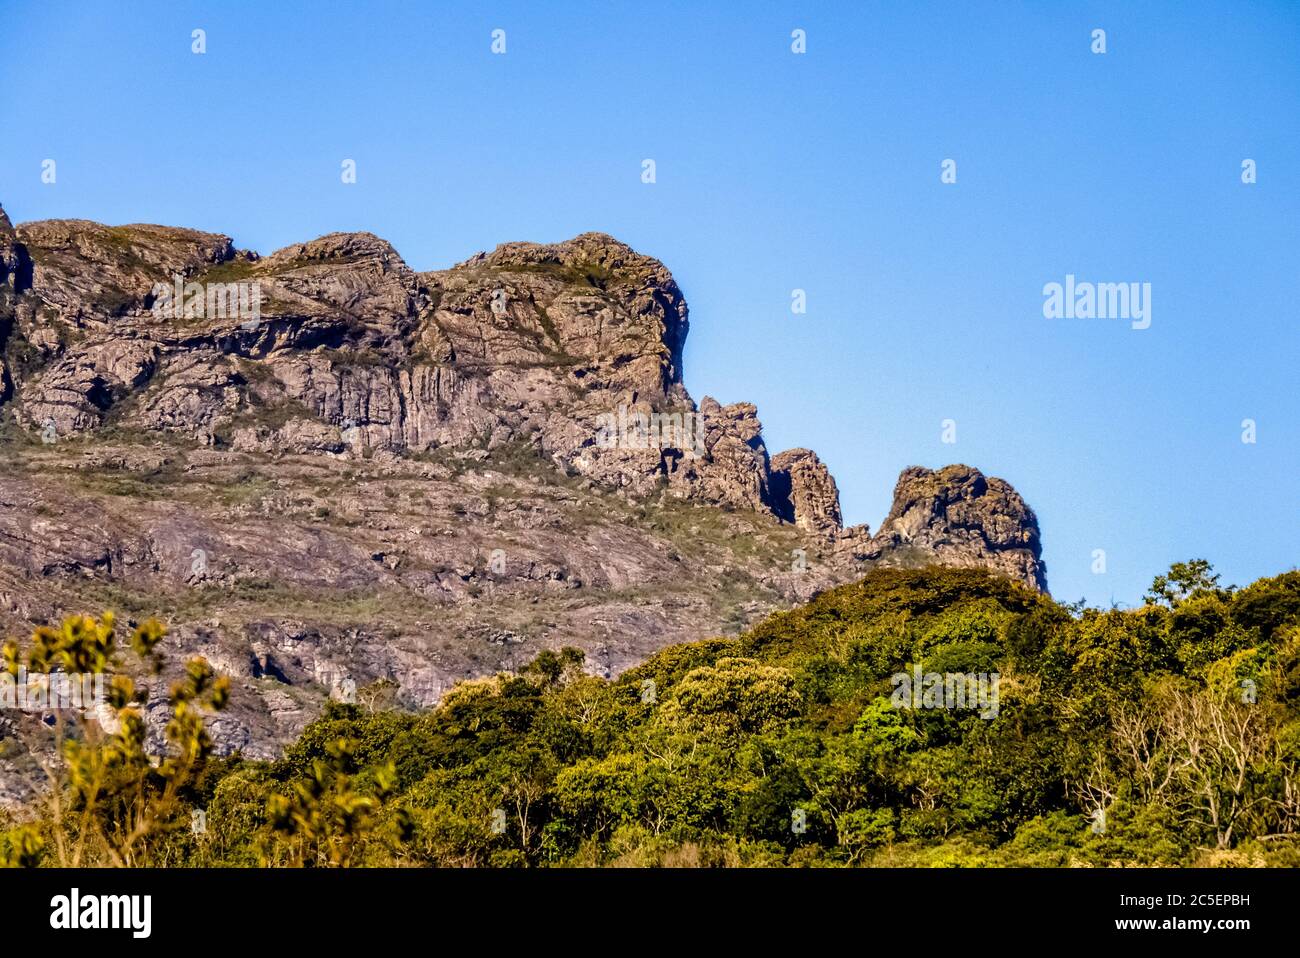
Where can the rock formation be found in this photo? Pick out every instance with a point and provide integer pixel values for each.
(324, 468)
(958, 516)
(804, 492)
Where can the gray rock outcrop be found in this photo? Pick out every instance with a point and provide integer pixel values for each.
(378, 473)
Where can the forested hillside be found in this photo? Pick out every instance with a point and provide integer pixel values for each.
(1165, 734)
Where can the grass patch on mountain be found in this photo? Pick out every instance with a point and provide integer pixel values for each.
(590, 275)
(233, 270)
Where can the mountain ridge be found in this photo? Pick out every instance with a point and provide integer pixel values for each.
(395, 474)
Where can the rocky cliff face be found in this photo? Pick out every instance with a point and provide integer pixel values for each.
(957, 516)
(804, 492)
(324, 468)
(353, 353)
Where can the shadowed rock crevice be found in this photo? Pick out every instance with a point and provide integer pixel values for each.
(804, 492)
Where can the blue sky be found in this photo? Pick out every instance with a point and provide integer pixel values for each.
(778, 171)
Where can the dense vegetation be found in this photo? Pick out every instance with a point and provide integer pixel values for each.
(1164, 734)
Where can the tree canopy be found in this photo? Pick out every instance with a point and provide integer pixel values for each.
(1166, 734)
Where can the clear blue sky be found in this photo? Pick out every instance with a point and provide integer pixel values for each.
(775, 172)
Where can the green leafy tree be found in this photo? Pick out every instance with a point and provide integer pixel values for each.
(1183, 581)
(109, 798)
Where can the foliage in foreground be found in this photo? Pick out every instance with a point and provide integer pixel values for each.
(1168, 734)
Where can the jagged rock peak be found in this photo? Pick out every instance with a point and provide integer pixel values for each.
(962, 517)
(80, 269)
(804, 492)
(605, 266)
(87, 237)
(585, 249)
(347, 247)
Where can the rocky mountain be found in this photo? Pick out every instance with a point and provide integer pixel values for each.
(323, 468)
(957, 516)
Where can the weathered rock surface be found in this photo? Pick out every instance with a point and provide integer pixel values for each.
(380, 473)
(804, 492)
(958, 516)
